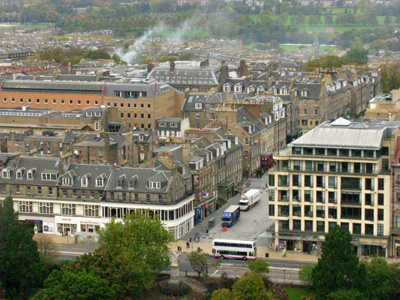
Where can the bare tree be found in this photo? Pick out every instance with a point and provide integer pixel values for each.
(46, 247)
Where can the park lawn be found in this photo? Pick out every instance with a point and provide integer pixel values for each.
(318, 28)
(297, 293)
(288, 47)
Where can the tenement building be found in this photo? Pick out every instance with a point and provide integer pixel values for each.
(78, 199)
(335, 174)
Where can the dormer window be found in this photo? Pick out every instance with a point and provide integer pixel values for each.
(174, 125)
(85, 181)
(133, 182)
(6, 173)
(154, 185)
(100, 181)
(141, 137)
(66, 181)
(20, 173)
(120, 181)
(49, 176)
(198, 106)
(31, 174)
(162, 124)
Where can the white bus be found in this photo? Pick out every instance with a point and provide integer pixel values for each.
(249, 199)
(234, 249)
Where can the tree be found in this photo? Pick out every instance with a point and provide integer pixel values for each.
(259, 266)
(70, 286)
(338, 267)
(357, 56)
(199, 262)
(305, 274)
(390, 77)
(383, 280)
(250, 287)
(47, 248)
(325, 62)
(130, 254)
(21, 270)
(221, 294)
(388, 20)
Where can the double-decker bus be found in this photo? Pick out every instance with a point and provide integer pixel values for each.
(234, 249)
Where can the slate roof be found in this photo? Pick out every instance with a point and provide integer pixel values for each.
(245, 119)
(54, 86)
(190, 103)
(41, 164)
(313, 88)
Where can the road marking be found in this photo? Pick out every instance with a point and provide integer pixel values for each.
(72, 253)
(286, 269)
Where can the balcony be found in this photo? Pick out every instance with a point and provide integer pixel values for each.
(351, 202)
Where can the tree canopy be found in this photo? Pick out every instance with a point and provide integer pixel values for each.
(65, 285)
(21, 270)
(338, 267)
(250, 287)
(130, 255)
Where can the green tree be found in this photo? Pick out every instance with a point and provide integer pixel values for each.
(199, 262)
(328, 19)
(325, 62)
(338, 267)
(388, 20)
(258, 266)
(250, 287)
(357, 56)
(130, 254)
(352, 294)
(21, 270)
(305, 274)
(81, 285)
(390, 78)
(383, 279)
(221, 294)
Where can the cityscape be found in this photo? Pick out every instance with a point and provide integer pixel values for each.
(200, 149)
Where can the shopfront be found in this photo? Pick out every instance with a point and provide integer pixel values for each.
(397, 248)
(72, 225)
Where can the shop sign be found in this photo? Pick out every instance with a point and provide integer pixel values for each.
(48, 227)
(397, 242)
(90, 222)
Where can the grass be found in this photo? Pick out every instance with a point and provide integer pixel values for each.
(322, 27)
(297, 293)
(288, 47)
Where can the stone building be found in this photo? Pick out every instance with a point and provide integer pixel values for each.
(337, 173)
(78, 199)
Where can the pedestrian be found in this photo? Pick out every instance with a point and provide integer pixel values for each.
(190, 240)
(284, 252)
(187, 244)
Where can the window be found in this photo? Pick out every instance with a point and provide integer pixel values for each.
(381, 184)
(272, 210)
(148, 105)
(380, 229)
(369, 229)
(66, 181)
(100, 181)
(381, 215)
(381, 199)
(154, 185)
(21, 100)
(91, 211)
(54, 101)
(147, 197)
(304, 122)
(68, 209)
(84, 181)
(25, 206)
(45, 208)
(356, 228)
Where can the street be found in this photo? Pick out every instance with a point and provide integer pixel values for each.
(280, 271)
